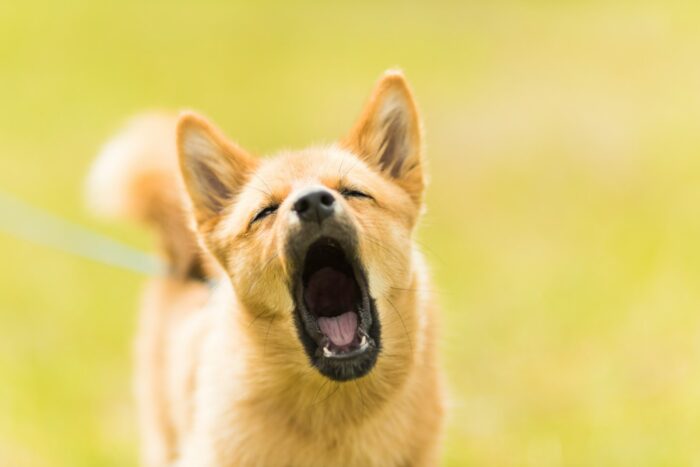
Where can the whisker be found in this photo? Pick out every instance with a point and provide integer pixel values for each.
(259, 315)
(393, 255)
(262, 270)
(410, 289)
(269, 192)
(357, 161)
(403, 323)
(340, 170)
(267, 334)
(337, 386)
(362, 399)
(313, 401)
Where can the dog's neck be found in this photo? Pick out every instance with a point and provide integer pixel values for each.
(278, 374)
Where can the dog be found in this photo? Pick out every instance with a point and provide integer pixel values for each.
(294, 325)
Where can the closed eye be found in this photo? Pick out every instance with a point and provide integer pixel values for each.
(353, 193)
(264, 212)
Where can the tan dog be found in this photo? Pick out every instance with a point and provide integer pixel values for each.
(318, 345)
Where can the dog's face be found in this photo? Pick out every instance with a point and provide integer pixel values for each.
(320, 238)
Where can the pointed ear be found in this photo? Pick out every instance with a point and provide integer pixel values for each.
(214, 169)
(388, 134)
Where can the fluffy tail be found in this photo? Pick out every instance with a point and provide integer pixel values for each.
(137, 177)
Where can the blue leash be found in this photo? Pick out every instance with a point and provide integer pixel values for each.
(26, 222)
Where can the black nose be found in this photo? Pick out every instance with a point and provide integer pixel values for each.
(315, 205)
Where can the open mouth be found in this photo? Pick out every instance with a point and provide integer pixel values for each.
(336, 316)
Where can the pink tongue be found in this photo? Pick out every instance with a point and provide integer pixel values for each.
(341, 329)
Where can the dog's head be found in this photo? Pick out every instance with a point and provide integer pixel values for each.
(318, 239)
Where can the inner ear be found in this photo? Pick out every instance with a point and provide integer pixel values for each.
(214, 169)
(394, 146)
(206, 178)
(388, 135)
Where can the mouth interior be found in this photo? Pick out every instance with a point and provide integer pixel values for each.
(332, 295)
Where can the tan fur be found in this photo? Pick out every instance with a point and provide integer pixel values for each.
(222, 379)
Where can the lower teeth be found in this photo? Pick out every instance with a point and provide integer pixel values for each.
(327, 352)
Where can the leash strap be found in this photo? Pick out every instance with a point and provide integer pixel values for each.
(26, 222)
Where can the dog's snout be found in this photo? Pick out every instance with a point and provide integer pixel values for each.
(315, 205)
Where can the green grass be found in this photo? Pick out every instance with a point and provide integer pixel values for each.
(564, 211)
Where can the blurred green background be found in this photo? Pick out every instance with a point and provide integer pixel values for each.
(564, 211)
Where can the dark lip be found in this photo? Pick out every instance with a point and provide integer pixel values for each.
(340, 366)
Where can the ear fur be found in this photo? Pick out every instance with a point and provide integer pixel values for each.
(213, 168)
(388, 134)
